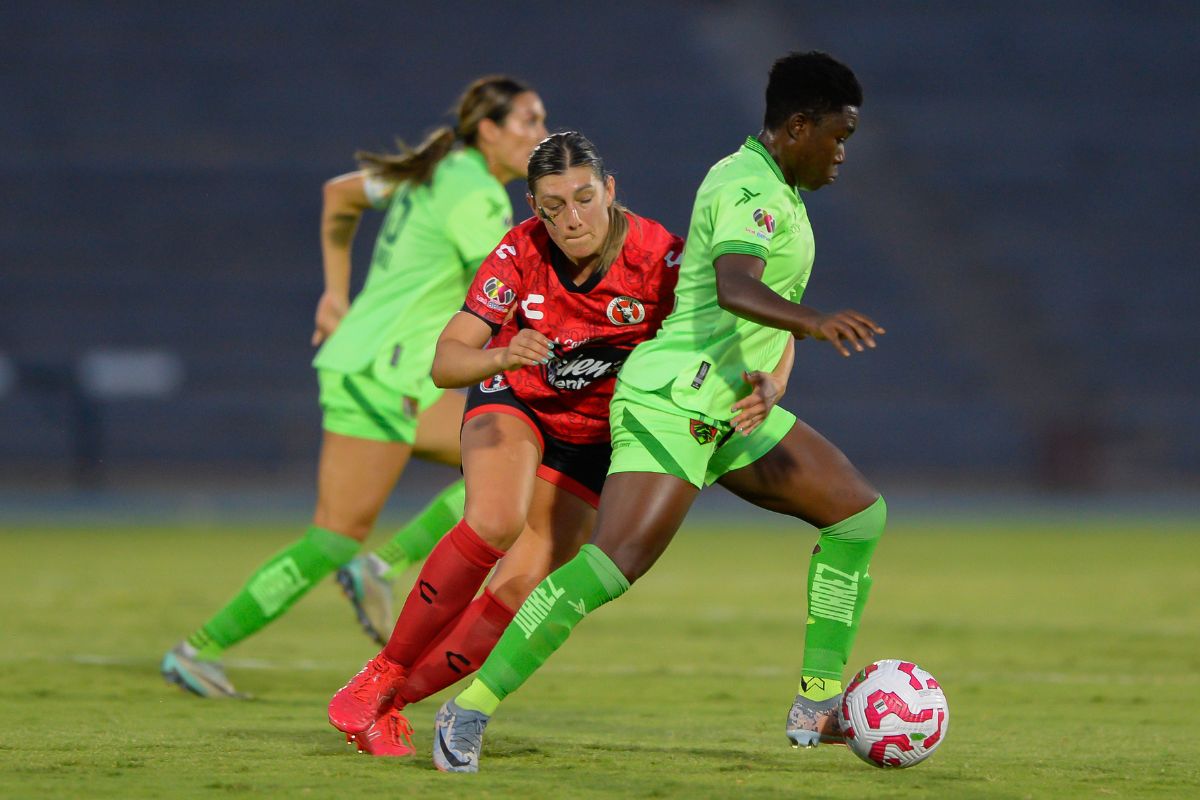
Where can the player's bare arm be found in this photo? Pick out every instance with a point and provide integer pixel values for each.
(460, 360)
(343, 204)
(740, 291)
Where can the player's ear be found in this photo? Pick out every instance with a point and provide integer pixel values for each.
(798, 124)
(610, 189)
(489, 131)
(532, 205)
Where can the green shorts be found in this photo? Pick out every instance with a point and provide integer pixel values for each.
(358, 405)
(650, 433)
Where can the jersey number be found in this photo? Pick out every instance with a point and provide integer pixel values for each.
(391, 230)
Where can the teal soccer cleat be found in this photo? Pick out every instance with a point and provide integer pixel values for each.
(204, 678)
(371, 595)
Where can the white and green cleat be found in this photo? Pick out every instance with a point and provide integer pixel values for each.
(204, 678)
(363, 582)
(458, 738)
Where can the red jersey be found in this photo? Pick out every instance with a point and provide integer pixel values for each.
(596, 324)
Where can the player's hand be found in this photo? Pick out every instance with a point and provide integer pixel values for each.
(330, 310)
(526, 349)
(752, 409)
(843, 328)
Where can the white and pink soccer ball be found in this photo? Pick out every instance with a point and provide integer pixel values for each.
(894, 714)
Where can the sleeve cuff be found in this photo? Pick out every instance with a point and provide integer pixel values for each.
(743, 248)
(377, 190)
(493, 325)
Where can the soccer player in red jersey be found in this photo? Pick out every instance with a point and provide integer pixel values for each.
(563, 299)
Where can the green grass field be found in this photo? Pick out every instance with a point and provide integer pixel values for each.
(1070, 654)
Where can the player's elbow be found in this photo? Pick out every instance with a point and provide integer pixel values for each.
(730, 294)
(442, 370)
(440, 375)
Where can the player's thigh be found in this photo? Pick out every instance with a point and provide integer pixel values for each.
(804, 476)
(354, 478)
(438, 430)
(638, 516)
(500, 453)
(558, 524)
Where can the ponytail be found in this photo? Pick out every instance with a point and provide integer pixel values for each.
(409, 165)
(618, 229)
(490, 97)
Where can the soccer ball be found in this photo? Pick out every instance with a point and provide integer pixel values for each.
(894, 714)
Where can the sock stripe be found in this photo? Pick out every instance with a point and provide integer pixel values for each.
(609, 574)
(866, 524)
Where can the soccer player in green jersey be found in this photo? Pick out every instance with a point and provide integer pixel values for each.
(747, 260)
(446, 208)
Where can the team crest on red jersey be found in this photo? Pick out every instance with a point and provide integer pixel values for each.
(702, 432)
(496, 383)
(625, 310)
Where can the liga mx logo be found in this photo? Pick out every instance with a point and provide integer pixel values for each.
(764, 220)
(626, 310)
(497, 292)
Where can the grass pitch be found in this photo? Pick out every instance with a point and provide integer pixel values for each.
(1069, 652)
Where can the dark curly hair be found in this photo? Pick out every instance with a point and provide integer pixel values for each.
(812, 83)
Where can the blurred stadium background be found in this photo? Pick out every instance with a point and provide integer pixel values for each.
(1018, 209)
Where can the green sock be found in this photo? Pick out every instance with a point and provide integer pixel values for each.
(414, 541)
(542, 624)
(838, 585)
(818, 689)
(273, 588)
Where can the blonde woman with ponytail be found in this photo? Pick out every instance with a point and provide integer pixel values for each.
(445, 210)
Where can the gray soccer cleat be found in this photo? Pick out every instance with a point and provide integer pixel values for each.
(812, 722)
(458, 738)
(204, 678)
(370, 593)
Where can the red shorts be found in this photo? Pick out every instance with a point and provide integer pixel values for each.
(577, 468)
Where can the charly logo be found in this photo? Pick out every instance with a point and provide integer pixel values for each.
(702, 432)
(625, 310)
(575, 369)
(764, 220)
(496, 383)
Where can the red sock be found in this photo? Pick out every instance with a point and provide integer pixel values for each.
(460, 652)
(449, 580)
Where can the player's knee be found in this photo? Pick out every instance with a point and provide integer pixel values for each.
(356, 527)
(513, 589)
(350, 516)
(865, 524)
(632, 560)
(499, 527)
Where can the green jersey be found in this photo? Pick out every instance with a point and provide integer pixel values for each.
(744, 206)
(432, 240)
